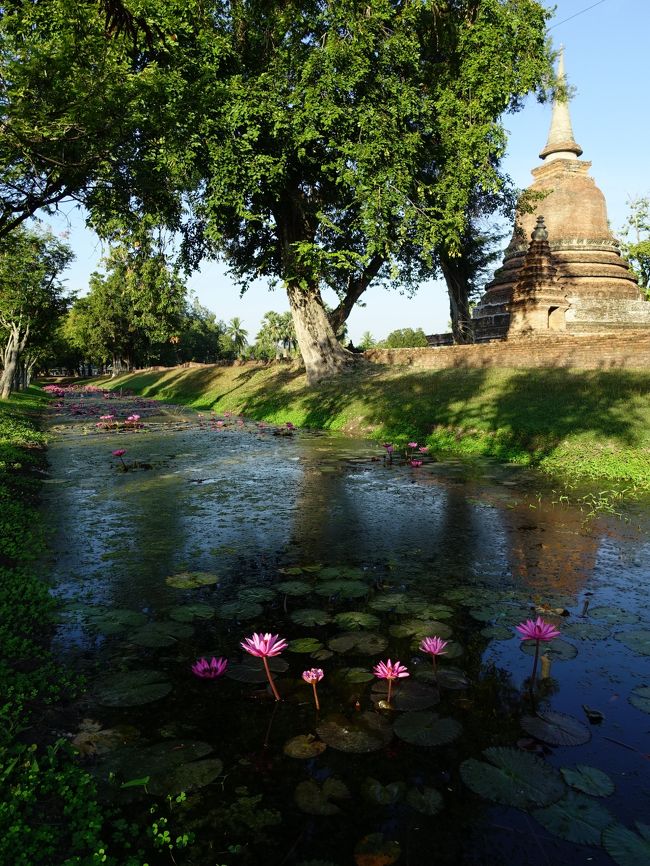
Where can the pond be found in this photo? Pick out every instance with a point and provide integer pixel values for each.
(221, 528)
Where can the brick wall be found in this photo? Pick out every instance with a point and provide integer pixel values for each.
(630, 349)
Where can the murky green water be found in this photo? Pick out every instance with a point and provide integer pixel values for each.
(352, 560)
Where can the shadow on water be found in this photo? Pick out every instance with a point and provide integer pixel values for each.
(240, 528)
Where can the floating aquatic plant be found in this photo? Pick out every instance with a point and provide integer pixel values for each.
(314, 676)
(210, 670)
(120, 452)
(264, 646)
(539, 631)
(390, 671)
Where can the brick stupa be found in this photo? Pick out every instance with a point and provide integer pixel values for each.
(581, 285)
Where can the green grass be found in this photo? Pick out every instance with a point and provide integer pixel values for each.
(569, 423)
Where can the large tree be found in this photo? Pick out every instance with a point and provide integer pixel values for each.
(636, 240)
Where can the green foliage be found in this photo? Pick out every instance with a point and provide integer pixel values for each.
(636, 240)
(276, 337)
(405, 338)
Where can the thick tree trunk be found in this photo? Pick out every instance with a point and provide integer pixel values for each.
(8, 373)
(458, 290)
(322, 353)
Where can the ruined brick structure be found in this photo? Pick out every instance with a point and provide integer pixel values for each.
(562, 271)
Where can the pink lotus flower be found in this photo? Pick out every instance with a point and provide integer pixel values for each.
(412, 445)
(435, 646)
(313, 676)
(289, 425)
(119, 453)
(263, 646)
(415, 463)
(537, 630)
(390, 671)
(106, 417)
(133, 418)
(210, 670)
(423, 449)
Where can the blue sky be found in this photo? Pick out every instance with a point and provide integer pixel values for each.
(607, 64)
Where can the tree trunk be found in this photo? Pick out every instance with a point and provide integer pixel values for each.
(458, 290)
(322, 353)
(8, 373)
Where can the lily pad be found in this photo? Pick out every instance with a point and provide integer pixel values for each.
(186, 777)
(93, 739)
(513, 778)
(190, 612)
(304, 645)
(351, 620)
(259, 594)
(392, 602)
(251, 669)
(640, 698)
(589, 780)
(156, 761)
(497, 632)
(362, 642)
(131, 689)
(376, 850)
(637, 640)
(315, 799)
(422, 728)
(360, 734)
(427, 801)
(158, 634)
(575, 818)
(614, 615)
(310, 617)
(116, 621)
(407, 695)
(418, 629)
(356, 675)
(191, 579)
(626, 847)
(558, 649)
(586, 630)
(558, 729)
(452, 678)
(304, 747)
(293, 587)
(342, 588)
(240, 610)
(431, 611)
(383, 795)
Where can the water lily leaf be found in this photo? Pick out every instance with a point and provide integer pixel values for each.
(423, 610)
(131, 689)
(586, 630)
(310, 617)
(638, 640)
(356, 675)
(190, 612)
(157, 634)
(640, 698)
(362, 642)
(251, 669)
(291, 570)
(497, 632)
(589, 780)
(304, 747)
(92, 739)
(192, 579)
(342, 588)
(452, 678)
(157, 760)
(558, 729)
(315, 799)
(575, 818)
(376, 850)
(116, 621)
(350, 620)
(427, 801)
(322, 655)
(626, 847)
(614, 615)
(392, 602)
(362, 733)
(487, 614)
(383, 795)
(558, 649)
(293, 587)
(259, 594)
(418, 629)
(240, 610)
(513, 778)
(407, 695)
(186, 777)
(422, 728)
(304, 645)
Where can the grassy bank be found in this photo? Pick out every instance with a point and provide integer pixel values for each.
(569, 423)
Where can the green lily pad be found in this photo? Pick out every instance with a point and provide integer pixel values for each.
(116, 620)
(351, 620)
(190, 612)
(453, 650)
(192, 579)
(497, 632)
(360, 734)
(427, 801)
(422, 728)
(614, 615)
(356, 675)
(315, 799)
(637, 640)
(424, 610)
(392, 602)
(293, 587)
(407, 695)
(513, 778)
(291, 570)
(342, 588)
(304, 645)
(586, 630)
(158, 634)
(487, 614)
(452, 678)
(575, 818)
(259, 594)
(383, 795)
(156, 761)
(251, 669)
(362, 642)
(558, 650)
(376, 850)
(310, 617)
(240, 610)
(589, 780)
(304, 747)
(131, 689)
(626, 847)
(418, 629)
(558, 729)
(186, 777)
(640, 698)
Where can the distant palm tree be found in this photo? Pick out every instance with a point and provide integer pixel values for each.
(237, 335)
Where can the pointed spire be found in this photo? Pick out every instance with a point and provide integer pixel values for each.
(561, 144)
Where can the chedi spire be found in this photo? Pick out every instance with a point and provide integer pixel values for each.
(561, 144)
